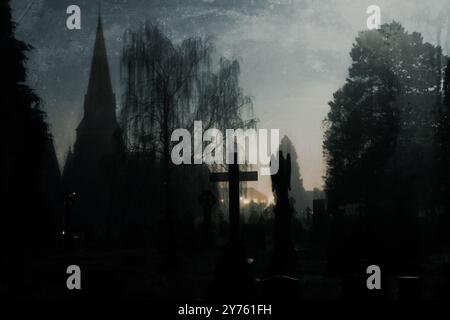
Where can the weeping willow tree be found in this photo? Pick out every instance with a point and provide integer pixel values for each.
(170, 85)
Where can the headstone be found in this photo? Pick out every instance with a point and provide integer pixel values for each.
(233, 177)
(232, 279)
(283, 258)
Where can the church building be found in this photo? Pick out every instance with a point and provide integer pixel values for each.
(91, 169)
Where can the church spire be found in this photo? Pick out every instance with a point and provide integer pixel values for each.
(99, 103)
(99, 78)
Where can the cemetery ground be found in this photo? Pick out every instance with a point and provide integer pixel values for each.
(137, 274)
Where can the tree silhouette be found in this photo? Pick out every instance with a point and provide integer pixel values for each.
(379, 139)
(26, 227)
(381, 122)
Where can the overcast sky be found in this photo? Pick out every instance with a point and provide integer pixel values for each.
(294, 54)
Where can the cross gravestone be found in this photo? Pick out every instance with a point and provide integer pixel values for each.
(232, 279)
(233, 177)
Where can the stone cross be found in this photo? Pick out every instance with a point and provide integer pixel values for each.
(234, 176)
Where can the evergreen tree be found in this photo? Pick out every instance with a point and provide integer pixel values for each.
(379, 141)
(381, 123)
(24, 142)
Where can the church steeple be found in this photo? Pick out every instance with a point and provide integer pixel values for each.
(99, 78)
(99, 104)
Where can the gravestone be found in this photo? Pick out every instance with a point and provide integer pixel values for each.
(280, 284)
(232, 279)
(283, 258)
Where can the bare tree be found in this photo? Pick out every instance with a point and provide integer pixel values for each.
(170, 85)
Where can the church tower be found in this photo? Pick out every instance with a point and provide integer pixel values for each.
(93, 164)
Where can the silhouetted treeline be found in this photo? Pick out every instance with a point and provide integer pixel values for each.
(29, 171)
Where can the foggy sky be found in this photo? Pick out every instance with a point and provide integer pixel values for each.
(294, 54)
